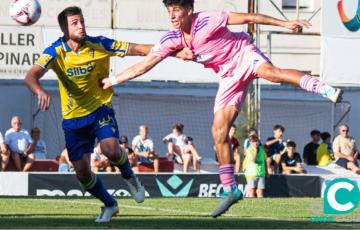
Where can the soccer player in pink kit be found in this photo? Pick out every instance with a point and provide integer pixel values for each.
(235, 59)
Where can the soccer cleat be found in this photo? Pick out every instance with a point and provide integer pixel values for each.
(336, 97)
(137, 190)
(107, 213)
(227, 200)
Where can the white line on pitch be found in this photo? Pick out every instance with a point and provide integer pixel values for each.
(139, 207)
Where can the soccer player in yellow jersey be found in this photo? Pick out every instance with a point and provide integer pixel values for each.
(80, 62)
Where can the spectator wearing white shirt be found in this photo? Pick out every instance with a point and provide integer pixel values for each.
(20, 144)
(4, 154)
(99, 162)
(181, 147)
(144, 149)
(40, 146)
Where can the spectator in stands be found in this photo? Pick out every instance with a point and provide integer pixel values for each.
(40, 146)
(100, 163)
(4, 154)
(65, 165)
(124, 143)
(324, 153)
(255, 167)
(234, 144)
(310, 149)
(183, 150)
(275, 146)
(143, 147)
(20, 145)
(291, 160)
(346, 153)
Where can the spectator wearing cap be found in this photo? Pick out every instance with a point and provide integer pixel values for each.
(275, 147)
(324, 153)
(124, 143)
(291, 160)
(143, 147)
(345, 150)
(255, 167)
(309, 154)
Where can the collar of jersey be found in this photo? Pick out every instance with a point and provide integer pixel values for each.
(65, 46)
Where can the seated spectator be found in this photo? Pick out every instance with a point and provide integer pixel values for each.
(324, 153)
(291, 160)
(275, 146)
(65, 165)
(20, 145)
(124, 143)
(40, 146)
(183, 150)
(346, 153)
(255, 170)
(234, 142)
(143, 147)
(310, 149)
(99, 162)
(4, 154)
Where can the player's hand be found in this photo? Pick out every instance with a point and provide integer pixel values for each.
(44, 100)
(105, 83)
(186, 54)
(297, 25)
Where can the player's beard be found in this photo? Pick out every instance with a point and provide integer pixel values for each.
(78, 38)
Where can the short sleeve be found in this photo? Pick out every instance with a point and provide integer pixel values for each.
(168, 44)
(28, 137)
(336, 145)
(150, 144)
(212, 21)
(47, 58)
(111, 46)
(1, 138)
(134, 141)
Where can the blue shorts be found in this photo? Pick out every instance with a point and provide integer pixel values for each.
(80, 133)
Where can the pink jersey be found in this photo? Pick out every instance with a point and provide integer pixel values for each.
(214, 45)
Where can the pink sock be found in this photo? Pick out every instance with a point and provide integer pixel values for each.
(227, 178)
(310, 84)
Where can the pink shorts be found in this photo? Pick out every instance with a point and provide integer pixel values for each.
(233, 86)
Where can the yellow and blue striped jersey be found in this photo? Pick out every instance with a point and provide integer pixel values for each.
(79, 72)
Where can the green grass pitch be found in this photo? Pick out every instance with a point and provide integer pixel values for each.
(174, 213)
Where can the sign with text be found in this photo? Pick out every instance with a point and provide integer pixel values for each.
(19, 49)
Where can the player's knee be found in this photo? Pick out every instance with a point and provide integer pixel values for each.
(271, 73)
(219, 135)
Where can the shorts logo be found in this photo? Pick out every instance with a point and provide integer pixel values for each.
(174, 183)
(341, 196)
(353, 24)
(107, 121)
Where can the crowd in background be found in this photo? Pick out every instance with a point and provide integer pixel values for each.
(273, 156)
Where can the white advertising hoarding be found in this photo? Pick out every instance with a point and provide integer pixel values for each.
(97, 13)
(19, 49)
(152, 15)
(340, 45)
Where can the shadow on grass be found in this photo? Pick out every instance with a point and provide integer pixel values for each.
(173, 222)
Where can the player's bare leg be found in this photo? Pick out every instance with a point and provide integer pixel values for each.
(300, 79)
(223, 120)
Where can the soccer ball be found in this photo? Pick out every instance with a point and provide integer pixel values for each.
(25, 12)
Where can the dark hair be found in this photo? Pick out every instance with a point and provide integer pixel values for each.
(123, 140)
(62, 18)
(35, 129)
(233, 126)
(315, 132)
(325, 136)
(291, 144)
(179, 127)
(182, 3)
(276, 127)
(188, 139)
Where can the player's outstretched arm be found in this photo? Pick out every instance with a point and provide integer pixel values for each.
(132, 72)
(248, 18)
(32, 82)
